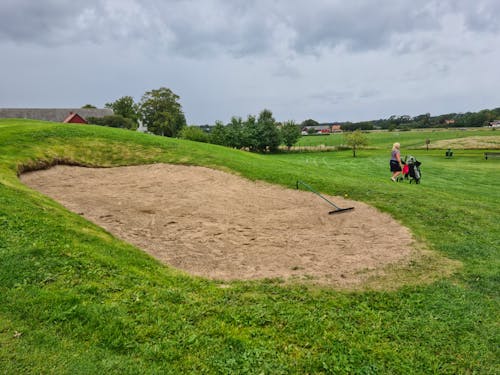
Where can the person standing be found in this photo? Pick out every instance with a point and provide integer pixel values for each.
(395, 162)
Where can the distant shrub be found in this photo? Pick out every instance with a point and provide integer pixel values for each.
(343, 147)
(114, 121)
(194, 133)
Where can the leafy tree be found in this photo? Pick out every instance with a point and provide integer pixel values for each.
(114, 121)
(234, 133)
(218, 134)
(89, 106)
(309, 126)
(423, 121)
(161, 112)
(268, 133)
(125, 107)
(355, 140)
(308, 123)
(250, 134)
(290, 133)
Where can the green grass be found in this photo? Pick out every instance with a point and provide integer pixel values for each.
(75, 300)
(408, 139)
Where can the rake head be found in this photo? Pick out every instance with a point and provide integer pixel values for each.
(339, 210)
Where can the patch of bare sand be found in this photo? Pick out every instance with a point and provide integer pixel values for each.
(467, 143)
(220, 226)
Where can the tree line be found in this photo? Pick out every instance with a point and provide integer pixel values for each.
(260, 134)
(406, 122)
(161, 113)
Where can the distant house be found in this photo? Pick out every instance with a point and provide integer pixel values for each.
(74, 118)
(336, 128)
(449, 121)
(325, 128)
(55, 114)
(495, 124)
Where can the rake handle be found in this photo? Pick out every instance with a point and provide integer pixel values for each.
(318, 194)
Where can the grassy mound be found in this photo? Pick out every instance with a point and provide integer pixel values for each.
(73, 299)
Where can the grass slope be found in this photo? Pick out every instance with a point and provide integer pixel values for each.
(73, 299)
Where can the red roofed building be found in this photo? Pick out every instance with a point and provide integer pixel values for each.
(74, 118)
(336, 128)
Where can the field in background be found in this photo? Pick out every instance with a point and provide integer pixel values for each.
(73, 299)
(439, 139)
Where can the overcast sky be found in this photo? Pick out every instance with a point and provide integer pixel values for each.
(327, 60)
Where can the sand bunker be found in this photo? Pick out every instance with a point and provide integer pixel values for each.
(468, 143)
(221, 226)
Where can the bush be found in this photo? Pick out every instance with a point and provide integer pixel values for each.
(114, 121)
(194, 133)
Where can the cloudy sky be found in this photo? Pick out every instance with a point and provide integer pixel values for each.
(329, 60)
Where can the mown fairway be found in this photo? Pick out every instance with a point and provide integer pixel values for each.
(75, 300)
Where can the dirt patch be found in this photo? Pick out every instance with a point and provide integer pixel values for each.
(221, 226)
(468, 143)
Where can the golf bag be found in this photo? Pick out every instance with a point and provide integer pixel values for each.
(405, 172)
(414, 169)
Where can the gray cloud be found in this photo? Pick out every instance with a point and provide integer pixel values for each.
(331, 96)
(238, 28)
(364, 26)
(42, 22)
(479, 15)
(322, 59)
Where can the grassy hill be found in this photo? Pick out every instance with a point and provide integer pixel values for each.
(73, 299)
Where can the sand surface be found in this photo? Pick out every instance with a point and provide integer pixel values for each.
(220, 226)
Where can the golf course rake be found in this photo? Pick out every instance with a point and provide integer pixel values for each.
(337, 208)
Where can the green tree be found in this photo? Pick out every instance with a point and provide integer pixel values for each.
(268, 134)
(290, 133)
(126, 107)
(250, 133)
(89, 106)
(161, 112)
(218, 134)
(234, 133)
(308, 123)
(423, 121)
(309, 126)
(355, 140)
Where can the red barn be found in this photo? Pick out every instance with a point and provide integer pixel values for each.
(74, 118)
